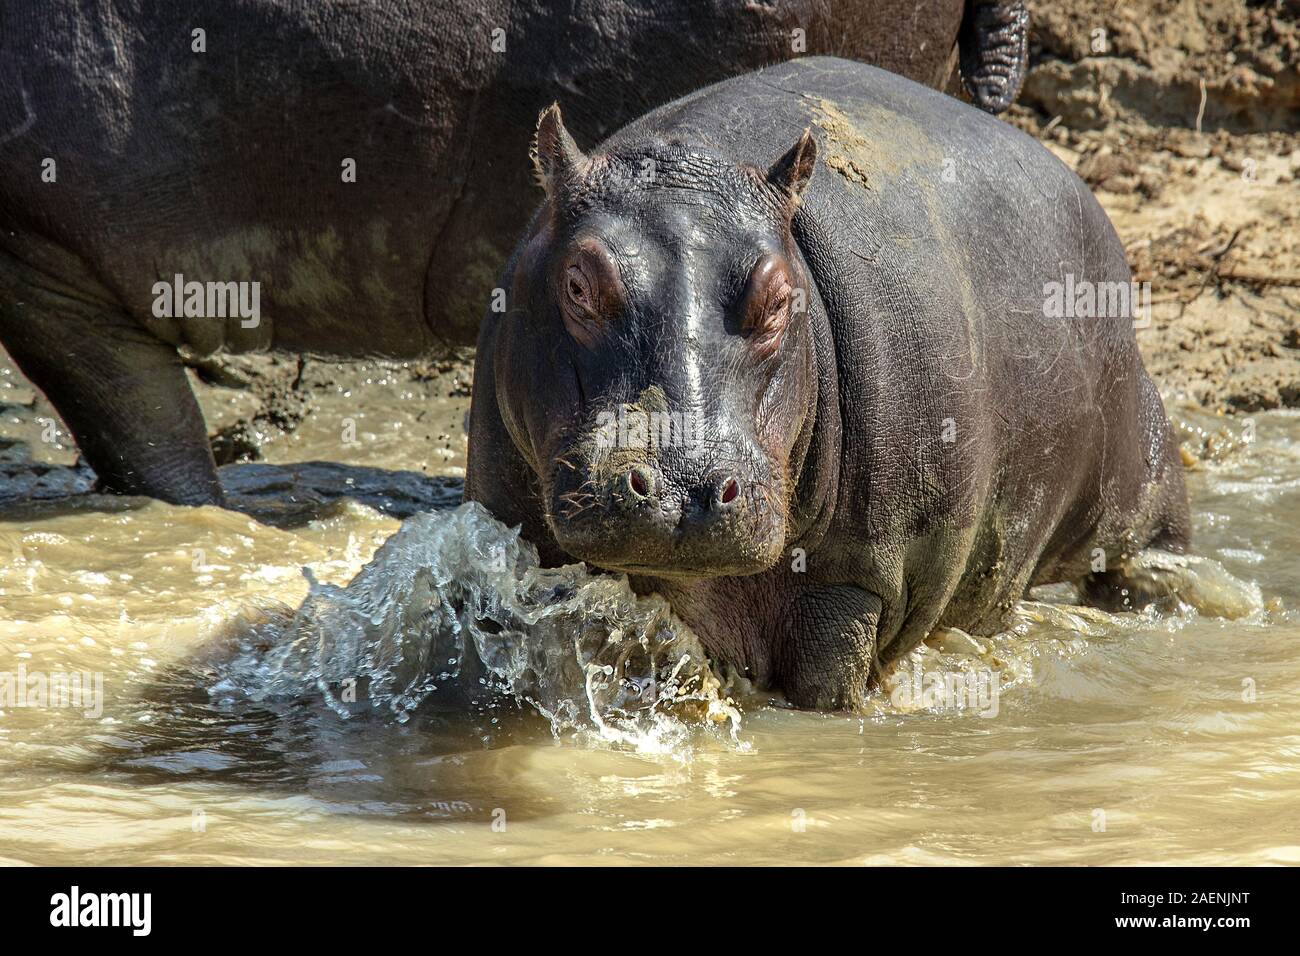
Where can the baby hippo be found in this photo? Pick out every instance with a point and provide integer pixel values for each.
(829, 360)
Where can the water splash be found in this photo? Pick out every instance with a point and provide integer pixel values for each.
(455, 605)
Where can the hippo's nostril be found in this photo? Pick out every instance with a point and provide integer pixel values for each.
(640, 481)
(728, 491)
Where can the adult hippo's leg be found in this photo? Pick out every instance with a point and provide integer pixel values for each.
(994, 44)
(122, 392)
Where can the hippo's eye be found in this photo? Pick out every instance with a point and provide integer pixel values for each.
(767, 304)
(578, 289)
(590, 292)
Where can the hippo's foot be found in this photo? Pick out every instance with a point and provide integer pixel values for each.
(1167, 580)
(122, 393)
(994, 44)
(825, 656)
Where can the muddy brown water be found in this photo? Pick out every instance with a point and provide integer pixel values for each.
(1129, 738)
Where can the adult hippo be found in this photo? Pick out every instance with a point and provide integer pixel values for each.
(361, 162)
(790, 352)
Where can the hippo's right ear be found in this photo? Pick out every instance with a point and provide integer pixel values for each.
(555, 155)
(790, 173)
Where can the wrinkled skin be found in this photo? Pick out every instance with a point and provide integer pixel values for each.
(914, 442)
(226, 165)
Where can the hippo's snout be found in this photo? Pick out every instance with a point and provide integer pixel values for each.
(714, 498)
(650, 519)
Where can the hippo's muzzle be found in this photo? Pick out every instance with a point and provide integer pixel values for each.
(654, 517)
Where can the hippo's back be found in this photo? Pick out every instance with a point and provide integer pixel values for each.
(895, 153)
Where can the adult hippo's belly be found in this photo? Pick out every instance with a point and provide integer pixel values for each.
(815, 377)
(362, 163)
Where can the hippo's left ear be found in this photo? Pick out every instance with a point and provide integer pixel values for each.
(555, 155)
(791, 172)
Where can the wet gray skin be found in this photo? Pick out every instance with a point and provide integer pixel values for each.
(227, 164)
(840, 276)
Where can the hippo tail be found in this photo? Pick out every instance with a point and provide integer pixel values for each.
(994, 48)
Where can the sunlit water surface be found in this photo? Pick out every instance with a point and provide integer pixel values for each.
(226, 735)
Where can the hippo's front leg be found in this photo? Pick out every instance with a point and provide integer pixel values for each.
(827, 647)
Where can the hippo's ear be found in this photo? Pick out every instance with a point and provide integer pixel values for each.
(555, 155)
(790, 173)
